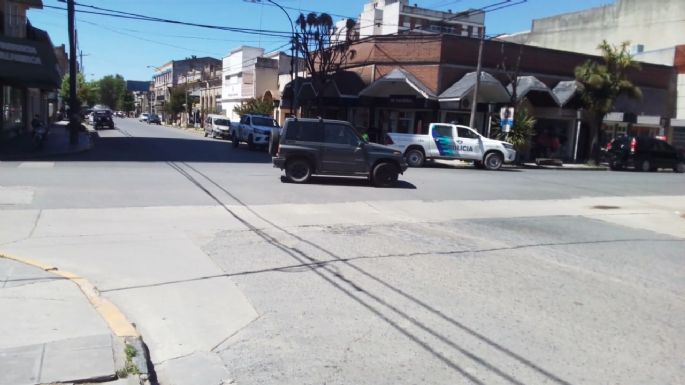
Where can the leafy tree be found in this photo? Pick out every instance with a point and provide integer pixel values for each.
(85, 91)
(325, 50)
(257, 105)
(521, 132)
(177, 100)
(129, 102)
(601, 83)
(112, 89)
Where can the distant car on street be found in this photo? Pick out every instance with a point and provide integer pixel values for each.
(217, 126)
(304, 147)
(102, 119)
(143, 117)
(644, 154)
(154, 119)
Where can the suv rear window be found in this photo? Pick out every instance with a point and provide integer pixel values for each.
(268, 122)
(304, 132)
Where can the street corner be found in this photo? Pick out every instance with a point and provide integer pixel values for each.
(56, 328)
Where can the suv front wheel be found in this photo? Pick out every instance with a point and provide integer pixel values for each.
(384, 175)
(298, 171)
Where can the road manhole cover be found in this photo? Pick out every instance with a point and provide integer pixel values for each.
(603, 207)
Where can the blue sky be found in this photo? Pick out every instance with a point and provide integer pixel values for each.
(127, 47)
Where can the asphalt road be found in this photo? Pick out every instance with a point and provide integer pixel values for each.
(456, 276)
(135, 165)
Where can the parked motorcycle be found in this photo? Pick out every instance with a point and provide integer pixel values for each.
(40, 132)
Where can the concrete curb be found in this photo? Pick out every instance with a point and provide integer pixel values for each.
(563, 168)
(115, 319)
(120, 326)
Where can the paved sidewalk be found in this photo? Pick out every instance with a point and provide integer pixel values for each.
(56, 143)
(49, 332)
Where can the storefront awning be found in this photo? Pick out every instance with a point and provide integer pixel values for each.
(28, 63)
(537, 93)
(489, 91)
(567, 94)
(398, 82)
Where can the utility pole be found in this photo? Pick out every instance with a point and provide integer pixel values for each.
(479, 67)
(74, 108)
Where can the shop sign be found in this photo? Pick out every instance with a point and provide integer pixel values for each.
(402, 99)
(506, 115)
(20, 53)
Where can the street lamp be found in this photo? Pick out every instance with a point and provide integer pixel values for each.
(150, 99)
(293, 72)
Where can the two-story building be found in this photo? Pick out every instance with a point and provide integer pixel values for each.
(250, 73)
(28, 68)
(189, 73)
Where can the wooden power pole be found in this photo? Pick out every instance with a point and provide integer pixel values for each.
(74, 107)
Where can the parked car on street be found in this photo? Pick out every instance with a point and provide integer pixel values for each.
(143, 117)
(304, 147)
(451, 141)
(217, 126)
(252, 129)
(154, 119)
(644, 154)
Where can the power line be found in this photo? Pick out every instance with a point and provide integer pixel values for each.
(133, 16)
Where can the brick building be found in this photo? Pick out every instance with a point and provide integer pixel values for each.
(407, 82)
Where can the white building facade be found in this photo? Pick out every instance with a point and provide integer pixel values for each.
(391, 17)
(250, 73)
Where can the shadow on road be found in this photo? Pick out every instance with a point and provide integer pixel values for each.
(155, 149)
(350, 182)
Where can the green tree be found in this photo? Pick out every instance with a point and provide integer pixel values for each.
(112, 89)
(255, 106)
(85, 91)
(521, 132)
(129, 102)
(601, 83)
(177, 100)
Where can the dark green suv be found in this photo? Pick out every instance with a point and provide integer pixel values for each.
(304, 147)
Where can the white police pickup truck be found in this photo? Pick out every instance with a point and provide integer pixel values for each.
(255, 130)
(451, 141)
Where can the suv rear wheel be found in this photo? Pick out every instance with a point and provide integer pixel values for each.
(384, 174)
(298, 170)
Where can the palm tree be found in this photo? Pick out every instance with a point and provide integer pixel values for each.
(602, 82)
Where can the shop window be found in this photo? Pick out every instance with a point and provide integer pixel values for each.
(12, 110)
(404, 122)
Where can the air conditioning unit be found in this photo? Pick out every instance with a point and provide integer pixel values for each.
(637, 48)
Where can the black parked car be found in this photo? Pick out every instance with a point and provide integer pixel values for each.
(154, 119)
(331, 147)
(102, 120)
(644, 154)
